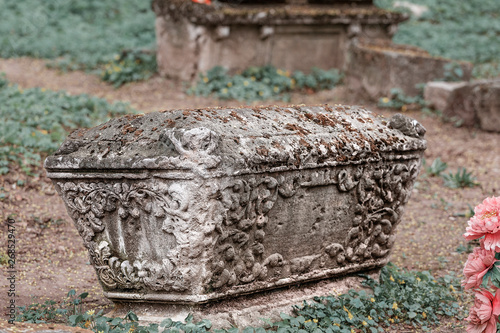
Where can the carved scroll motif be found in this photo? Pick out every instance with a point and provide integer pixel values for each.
(381, 193)
(240, 246)
(195, 148)
(89, 203)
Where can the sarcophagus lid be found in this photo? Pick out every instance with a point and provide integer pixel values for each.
(197, 205)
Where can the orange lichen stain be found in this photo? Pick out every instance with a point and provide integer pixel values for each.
(278, 145)
(297, 128)
(262, 151)
(169, 123)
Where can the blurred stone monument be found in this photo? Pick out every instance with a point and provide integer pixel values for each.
(289, 34)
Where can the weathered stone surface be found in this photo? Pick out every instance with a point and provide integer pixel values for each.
(376, 67)
(486, 101)
(191, 206)
(245, 310)
(274, 14)
(451, 98)
(193, 38)
(439, 93)
(475, 103)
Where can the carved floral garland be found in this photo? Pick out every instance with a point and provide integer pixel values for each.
(88, 203)
(379, 191)
(239, 259)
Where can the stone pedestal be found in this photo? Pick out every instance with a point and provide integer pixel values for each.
(486, 97)
(188, 207)
(244, 310)
(193, 38)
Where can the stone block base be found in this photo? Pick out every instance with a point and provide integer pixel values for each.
(376, 67)
(450, 99)
(245, 310)
(474, 103)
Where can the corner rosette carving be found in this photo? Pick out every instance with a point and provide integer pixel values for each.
(195, 147)
(407, 126)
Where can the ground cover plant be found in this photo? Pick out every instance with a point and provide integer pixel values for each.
(436, 168)
(262, 83)
(51, 311)
(398, 100)
(129, 66)
(34, 122)
(460, 179)
(78, 34)
(461, 30)
(410, 297)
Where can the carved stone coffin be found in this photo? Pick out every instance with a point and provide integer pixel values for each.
(189, 206)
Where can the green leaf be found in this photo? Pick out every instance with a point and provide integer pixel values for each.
(74, 320)
(166, 323)
(486, 278)
(284, 316)
(189, 318)
(356, 302)
(205, 323)
(132, 316)
(116, 321)
(83, 295)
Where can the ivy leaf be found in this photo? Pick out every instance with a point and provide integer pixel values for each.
(189, 318)
(132, 316)
(166, 323)
(356, 303)
(83, 295)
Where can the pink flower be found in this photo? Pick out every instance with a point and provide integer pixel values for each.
(477, 265)
(486, 222)
(483, 315)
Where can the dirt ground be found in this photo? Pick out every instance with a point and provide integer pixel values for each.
(51, 258)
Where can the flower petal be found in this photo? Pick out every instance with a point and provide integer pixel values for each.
(491, 241)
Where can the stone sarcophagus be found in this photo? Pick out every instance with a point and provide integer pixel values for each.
(190, 206)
